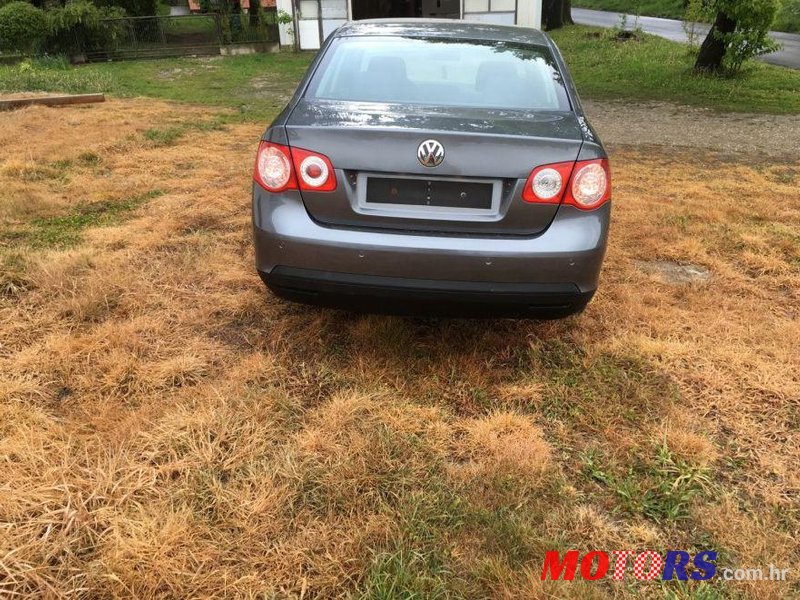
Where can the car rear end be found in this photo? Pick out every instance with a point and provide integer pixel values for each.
(433, 170)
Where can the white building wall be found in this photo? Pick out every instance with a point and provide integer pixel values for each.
(334, 15)
(526, 13)
(500, 12)
(285, 31)
(309, 33)
(529, 13)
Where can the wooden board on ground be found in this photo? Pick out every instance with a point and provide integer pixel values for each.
(12, 103)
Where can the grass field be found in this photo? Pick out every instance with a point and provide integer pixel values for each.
(254, 85)
(257, 86)
(653, 68)
(668, 9)
(169, 429)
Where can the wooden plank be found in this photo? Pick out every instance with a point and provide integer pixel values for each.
(12, 103)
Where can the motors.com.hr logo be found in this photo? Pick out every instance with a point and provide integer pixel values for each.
(648, 565)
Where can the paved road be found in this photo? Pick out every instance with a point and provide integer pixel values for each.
(788, 56)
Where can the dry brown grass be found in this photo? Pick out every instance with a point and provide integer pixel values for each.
(169, 429)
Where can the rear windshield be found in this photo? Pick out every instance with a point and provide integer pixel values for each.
(442, 72)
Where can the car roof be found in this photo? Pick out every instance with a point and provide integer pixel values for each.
(445, 28)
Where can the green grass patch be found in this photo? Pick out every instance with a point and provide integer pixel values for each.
(509, 532)
(53, 75)
(168, 136)
(655, 69)
(588, 390)
(406, 574)
(64, 231)
(668, 9)
(661, 489)
(165, 136)
(257, 86)
(89, 159)
(417, 563)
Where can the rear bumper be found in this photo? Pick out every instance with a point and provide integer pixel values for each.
(553, 273)
(393, 295)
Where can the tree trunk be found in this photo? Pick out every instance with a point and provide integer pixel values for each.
(552, 14)
(566, 12)
(713, 49)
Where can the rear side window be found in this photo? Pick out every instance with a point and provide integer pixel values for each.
(437, 71)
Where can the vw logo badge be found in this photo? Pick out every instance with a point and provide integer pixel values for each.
(430, 153)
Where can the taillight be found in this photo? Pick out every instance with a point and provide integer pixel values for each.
(585, 184)
(547, 183)
(314, 171)
(280, 168)
(273, 170)
(591, 184)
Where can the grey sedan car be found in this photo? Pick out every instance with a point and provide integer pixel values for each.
(435, 168)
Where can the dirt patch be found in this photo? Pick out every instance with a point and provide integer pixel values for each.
(663, 124)
(180, 72)
(673, 272)
(266, 87)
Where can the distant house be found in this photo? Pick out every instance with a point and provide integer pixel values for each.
(314, 20)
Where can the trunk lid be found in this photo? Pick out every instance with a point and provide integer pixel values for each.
(373, 148)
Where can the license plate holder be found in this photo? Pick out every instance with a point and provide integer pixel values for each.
(426, 196)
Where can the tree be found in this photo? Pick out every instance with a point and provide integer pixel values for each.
(133, 8)
(712, 52)
(23, 27)
(740, 32)
(80, 26)
(556, 14)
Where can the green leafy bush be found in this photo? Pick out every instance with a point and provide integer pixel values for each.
(78, 26)
(23, 27)
(753, 21)
(740, 32)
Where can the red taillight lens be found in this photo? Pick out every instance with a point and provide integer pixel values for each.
(273, 170)
(280, 168)
(547, 183)
(591, 184)
(314, 171)
(585, 184)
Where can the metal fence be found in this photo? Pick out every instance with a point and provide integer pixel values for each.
(155, 37)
